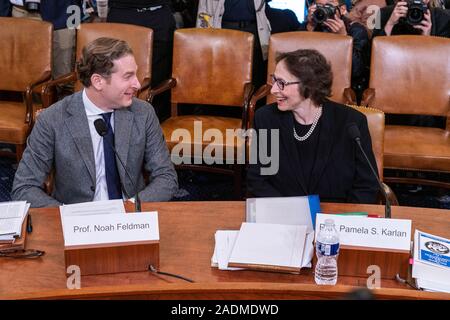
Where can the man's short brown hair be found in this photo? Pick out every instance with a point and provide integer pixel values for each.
(312, 70)
(98, 57)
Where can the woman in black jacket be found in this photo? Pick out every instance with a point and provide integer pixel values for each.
(315, 152)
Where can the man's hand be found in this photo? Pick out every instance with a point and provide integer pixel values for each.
(400, 11)
(336, 25)
(426, 24)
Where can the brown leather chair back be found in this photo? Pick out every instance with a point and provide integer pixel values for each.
(411, 75)
(375, 121)
(139, 38)
(211, 66)
(25, 52)
(337, 49)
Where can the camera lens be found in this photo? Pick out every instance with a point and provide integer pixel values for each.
(320, 15)
(415, 16)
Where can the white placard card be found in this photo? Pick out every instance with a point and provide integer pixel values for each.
(112, 228)
(394, 234)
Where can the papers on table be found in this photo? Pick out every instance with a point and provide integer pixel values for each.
(284, 210)
(269, 247)
(278, 236)
(431, 264)
(92, 207)
(225, 240)
(12, 216)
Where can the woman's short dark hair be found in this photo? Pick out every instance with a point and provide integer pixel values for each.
(98, 57)
(312, 70)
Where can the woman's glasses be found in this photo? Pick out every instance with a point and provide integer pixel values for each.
(281, 84)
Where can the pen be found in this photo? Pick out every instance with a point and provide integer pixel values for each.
(29, 224)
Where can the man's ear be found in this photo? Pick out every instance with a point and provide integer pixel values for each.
(97, 81)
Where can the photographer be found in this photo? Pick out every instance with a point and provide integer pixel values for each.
(332, 18)
(414, 17)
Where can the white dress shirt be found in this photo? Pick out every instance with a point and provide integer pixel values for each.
(93, 113)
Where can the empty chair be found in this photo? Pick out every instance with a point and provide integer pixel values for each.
(410, 75)
(211, 67)
(25, 64)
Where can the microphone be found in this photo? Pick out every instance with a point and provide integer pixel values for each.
(102, 129)
(355, 135)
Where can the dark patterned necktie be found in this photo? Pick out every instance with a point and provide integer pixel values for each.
(112, 174)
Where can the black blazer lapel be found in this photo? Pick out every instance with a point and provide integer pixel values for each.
(326, 140)
(287, 135)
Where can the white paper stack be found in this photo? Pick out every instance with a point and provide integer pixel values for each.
(92, 208)
(431, 265)
(12, 216)
(278, 236)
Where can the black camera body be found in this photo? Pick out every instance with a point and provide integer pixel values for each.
(32, 5)
(416, 12)
(324, 12)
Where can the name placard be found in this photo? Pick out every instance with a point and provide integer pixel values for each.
(394, 234)
(110, 228)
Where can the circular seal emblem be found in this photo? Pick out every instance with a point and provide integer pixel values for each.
(437, 247)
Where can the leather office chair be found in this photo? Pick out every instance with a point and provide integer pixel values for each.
(410, 75)
(337, 49)
(139, 38)
(211, 67)
(25, 64)
(375, 121)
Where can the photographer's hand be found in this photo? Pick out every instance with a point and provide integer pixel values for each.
(310, 24)
(400, 11)
(426, 24)
(336, 25)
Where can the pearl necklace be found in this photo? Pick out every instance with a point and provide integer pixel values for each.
(313, 126)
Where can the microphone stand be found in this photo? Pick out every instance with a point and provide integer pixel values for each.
(387, 207)
(137, 201)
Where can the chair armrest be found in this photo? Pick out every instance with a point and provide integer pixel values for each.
(45, 93)
(262, 92)
(145, 85)
(368, 97)
(349, 96)
(390, 194)
(160, 88)
(248, 90)
(29, 117)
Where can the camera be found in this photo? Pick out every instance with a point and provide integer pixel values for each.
(324, 12)
(416, 11)
(32, 5)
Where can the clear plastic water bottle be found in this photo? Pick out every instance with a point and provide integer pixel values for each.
(327, 251)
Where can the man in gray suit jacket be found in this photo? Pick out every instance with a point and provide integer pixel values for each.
(65, 138)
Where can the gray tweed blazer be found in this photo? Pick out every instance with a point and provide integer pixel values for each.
(61, 140)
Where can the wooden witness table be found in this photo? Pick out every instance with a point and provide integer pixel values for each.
(186, 245)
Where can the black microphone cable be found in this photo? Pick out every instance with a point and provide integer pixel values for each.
(101, 128)
(354, 133)
(154, 270)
